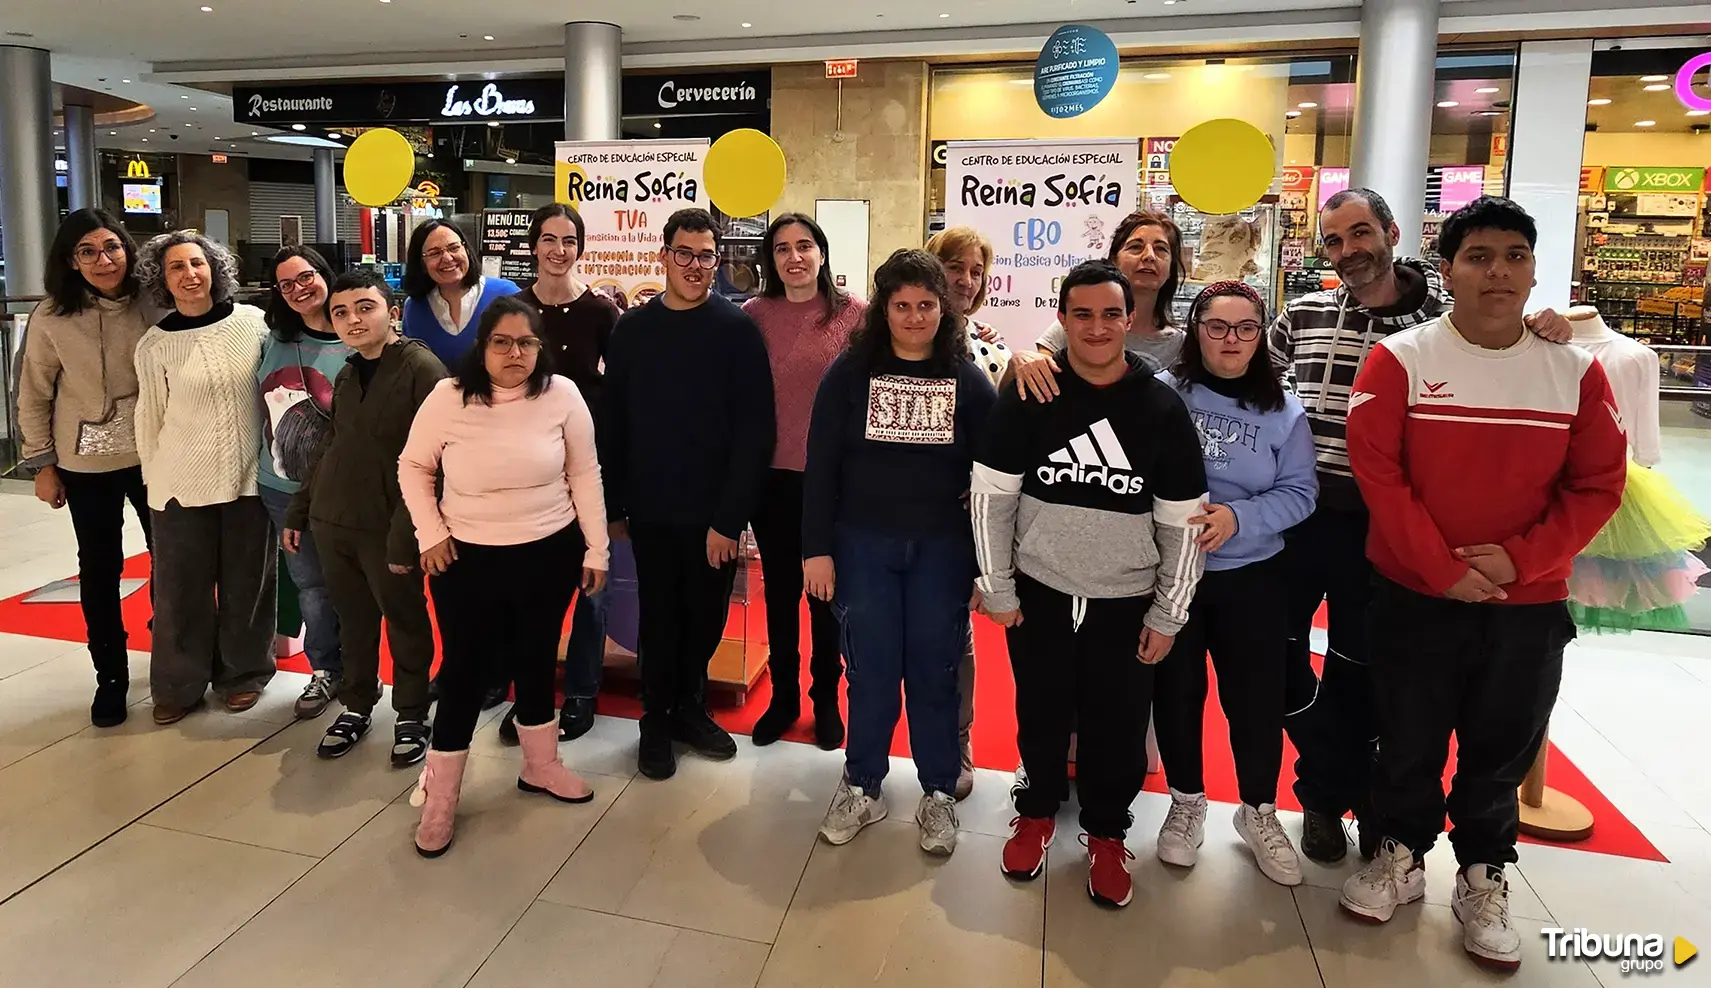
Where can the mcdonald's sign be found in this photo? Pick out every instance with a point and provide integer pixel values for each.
(137, 168)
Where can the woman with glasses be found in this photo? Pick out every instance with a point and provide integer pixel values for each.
(1261, 479)
(806, 320)
(518, 525)
(299, 363)
(77, 395)
(447, 291)
(198, 428)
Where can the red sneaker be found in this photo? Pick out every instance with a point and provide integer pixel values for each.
(1108, 881)
(1025, 851)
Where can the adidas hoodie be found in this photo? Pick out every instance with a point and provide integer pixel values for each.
(1090, 494)
(1320, 342)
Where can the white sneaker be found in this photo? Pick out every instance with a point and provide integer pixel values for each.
(1273, 852)
(936, 816)
(1388, 881)
(1481, 903)
(1184, 829)
(851, 810)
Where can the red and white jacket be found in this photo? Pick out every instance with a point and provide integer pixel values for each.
(1456, 445)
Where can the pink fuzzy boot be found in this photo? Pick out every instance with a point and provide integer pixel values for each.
(542, 769)
(437, 794)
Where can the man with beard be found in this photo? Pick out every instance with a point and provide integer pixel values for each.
(1320, 341)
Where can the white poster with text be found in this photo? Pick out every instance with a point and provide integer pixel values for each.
(1046, 206)
(625, 191)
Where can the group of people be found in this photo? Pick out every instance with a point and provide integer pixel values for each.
(1123, 499)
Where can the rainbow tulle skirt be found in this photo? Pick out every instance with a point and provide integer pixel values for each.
(1641, 568)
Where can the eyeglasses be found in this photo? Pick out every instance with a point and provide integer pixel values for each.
(299, 283)
(89, 254)
(449, 250)
(1218, 329)
(505, 344)
(688, 258)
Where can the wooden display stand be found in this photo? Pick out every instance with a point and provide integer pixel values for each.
(1548, 814)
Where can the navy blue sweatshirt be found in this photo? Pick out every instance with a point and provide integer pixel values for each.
(891, 452)
(686, 424)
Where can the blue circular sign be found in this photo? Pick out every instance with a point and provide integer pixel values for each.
(1076, 69)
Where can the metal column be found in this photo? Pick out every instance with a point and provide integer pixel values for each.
(326, 198)
(1393, 108)
(29, 208)
(593, 71)
(83, 169)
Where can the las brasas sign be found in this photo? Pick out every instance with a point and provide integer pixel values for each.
(404, 102)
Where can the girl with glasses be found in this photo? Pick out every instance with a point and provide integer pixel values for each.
(77, 394)
(518, 527)
(1260, 475)
(447, 291)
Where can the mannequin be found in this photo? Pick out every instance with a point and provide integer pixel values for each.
(1635, 375)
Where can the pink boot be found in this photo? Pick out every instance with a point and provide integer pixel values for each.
(437, 793)
(542, 770)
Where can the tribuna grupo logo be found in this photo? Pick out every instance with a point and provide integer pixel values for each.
(1634, 953)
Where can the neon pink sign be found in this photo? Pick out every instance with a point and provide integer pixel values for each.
(1684, 83)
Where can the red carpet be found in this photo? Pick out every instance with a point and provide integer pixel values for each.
(994, 734)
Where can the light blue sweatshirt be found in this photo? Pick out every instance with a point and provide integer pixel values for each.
(1259, 464)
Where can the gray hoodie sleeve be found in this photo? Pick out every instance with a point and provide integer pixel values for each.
(1180, 563)
(993, 500)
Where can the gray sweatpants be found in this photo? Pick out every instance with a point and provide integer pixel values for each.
(216, 577)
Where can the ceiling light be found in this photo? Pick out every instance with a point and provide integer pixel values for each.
(1293, 114)
(1486, 89)
(125, 81)
(207, 10)
(1598, 102)
(186, 96)
(189, 125)
(1654, 78)
(1491, 113)
(114, 133)
(335, 136)
(1698, 113)
(487, 37)
(1447, 103)
(747, 24)
(193, 109)
(1156, 75)
(151, 130)
(1657, 87)
(1167, 3)
(944, 16)
(298, 127)
(1645, 123)
(656, 125)
(492, 123)
(510, 161)
(145, 140)
(1307, 106)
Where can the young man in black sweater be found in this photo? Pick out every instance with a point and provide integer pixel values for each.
(686, 433)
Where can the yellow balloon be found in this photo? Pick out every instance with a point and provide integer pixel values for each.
(744, 173)
(562, 171)
(378, 167)
(1222, 166)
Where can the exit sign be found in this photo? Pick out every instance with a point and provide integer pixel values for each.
(840, 68)
(219, 159)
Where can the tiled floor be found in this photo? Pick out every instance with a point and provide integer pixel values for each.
(220, 852)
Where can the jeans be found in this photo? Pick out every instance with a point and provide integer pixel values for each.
(97, 505)
(904, 607)
(320, 620)
(585, 653)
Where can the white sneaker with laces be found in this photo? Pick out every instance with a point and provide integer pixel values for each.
(852, 809)
(1388, 881)
(936, 816)
(1273, 852)
(1481, 903)
(1184, 829)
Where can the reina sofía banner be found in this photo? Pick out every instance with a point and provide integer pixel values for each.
(1046, 206)
(625, 191)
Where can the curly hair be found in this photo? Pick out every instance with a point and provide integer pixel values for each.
(870, 344)
(151, 266)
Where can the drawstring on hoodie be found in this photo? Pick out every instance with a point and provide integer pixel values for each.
(1077, 613)
(1336, 339)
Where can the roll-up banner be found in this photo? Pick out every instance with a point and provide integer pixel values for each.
(1046, 205)
(625, 191)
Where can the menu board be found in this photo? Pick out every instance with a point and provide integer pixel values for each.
(505, 248)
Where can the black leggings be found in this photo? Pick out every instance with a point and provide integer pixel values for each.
(778, 532)
(1239, 616)
(502, 606)
(97, 505)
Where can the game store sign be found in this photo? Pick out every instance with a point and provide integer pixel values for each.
(1631, 179)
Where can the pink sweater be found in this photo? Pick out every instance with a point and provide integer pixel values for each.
(516, 471)
(801, 346)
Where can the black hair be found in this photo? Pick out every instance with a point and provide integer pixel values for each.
(417, 281)
(773, 285)
(472, 377)
(67, 289)
(1173, 233)
(870, 344)
(550, 210)
(286, 324)
(357, 279)
(692, 221)
(1485, 213)
(1262, 385)
(1095, 272)
(1375, 202)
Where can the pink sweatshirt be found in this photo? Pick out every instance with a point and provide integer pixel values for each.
(801, 345)
(516, 471)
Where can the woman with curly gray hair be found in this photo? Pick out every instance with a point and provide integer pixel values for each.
(198, 426)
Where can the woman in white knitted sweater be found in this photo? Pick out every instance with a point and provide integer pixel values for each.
(198, 426)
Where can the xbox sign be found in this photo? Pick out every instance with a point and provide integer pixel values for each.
(1654, 179)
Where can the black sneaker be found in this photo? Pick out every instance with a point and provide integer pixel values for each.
(508, 729)
(828, 726)
(781, 715)
(655, 758)
(343, 735)
(1322, 838)
(576, 719)
(108, 708)
(694, 728)
(410, 743)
